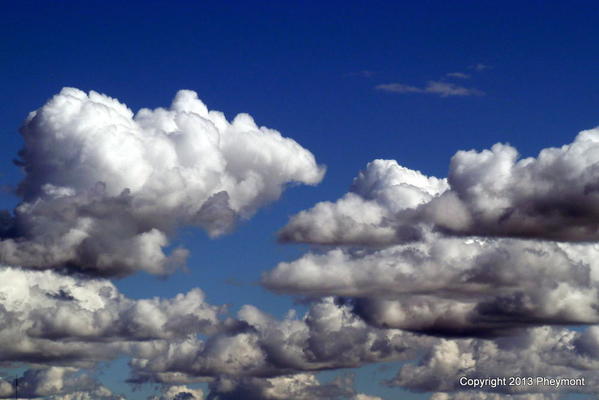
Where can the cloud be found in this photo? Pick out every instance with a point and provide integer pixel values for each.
(179, 392)
(452, 286)
(366, 215)
(328, 336)
(479, 67)
(104, 188)
(298, 387)
(486, 301)
(458, 75)
(55, 383)
(47, 318)
(439, 88)
(491, 193)
(540, 352)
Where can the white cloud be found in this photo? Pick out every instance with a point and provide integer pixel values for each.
(104, 188)
(52, 319)
(439, 88)
(179, 392)
(458, 75)
(367, 213)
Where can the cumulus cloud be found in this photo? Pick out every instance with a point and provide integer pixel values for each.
(553, 196)
(367, 214)
(299, 387)
(179, 392)
(47, 318)
(490, 193)
(438, 88)
(257, 345)
(104, 188)
(451, 285)
(55, 383)
(490, 300)
(542, 352)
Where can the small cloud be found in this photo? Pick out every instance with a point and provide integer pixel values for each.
(459, 75)
(361, 74)
(445, 89)
(479, 67)
(442, 89)
(398, 88)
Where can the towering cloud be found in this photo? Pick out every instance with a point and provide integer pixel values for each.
(105, 188)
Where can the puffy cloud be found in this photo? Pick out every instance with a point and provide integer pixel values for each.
(490, 193)
(542, 352)
(329, 336)
(366, 215)
(454, 286)
(300, 387)
(500, 294)
(54, 319)
(553, 196)
(361, 396)
(179, 392)
(55, 383)
(105, 188)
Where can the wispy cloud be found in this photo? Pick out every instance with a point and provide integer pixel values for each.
(479, 67)
(361, 74)
(459, 75)
(442, 89)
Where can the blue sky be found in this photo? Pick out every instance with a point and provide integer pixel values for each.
(310, 71)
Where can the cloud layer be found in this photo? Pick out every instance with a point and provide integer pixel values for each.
(104, 188)
(492, 262)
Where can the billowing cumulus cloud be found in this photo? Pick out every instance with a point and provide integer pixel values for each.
(490, 193)
(539, 353)
(179, 392)
(454, 286)
(104, 188)
(491, 295)
(494, 193)
(367, 214)
(55, 383)
(59, 320)
(255, 344)
(300, 387)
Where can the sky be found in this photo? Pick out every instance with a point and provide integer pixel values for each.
(298, 200)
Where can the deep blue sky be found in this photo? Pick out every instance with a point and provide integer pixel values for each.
(298, 67)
